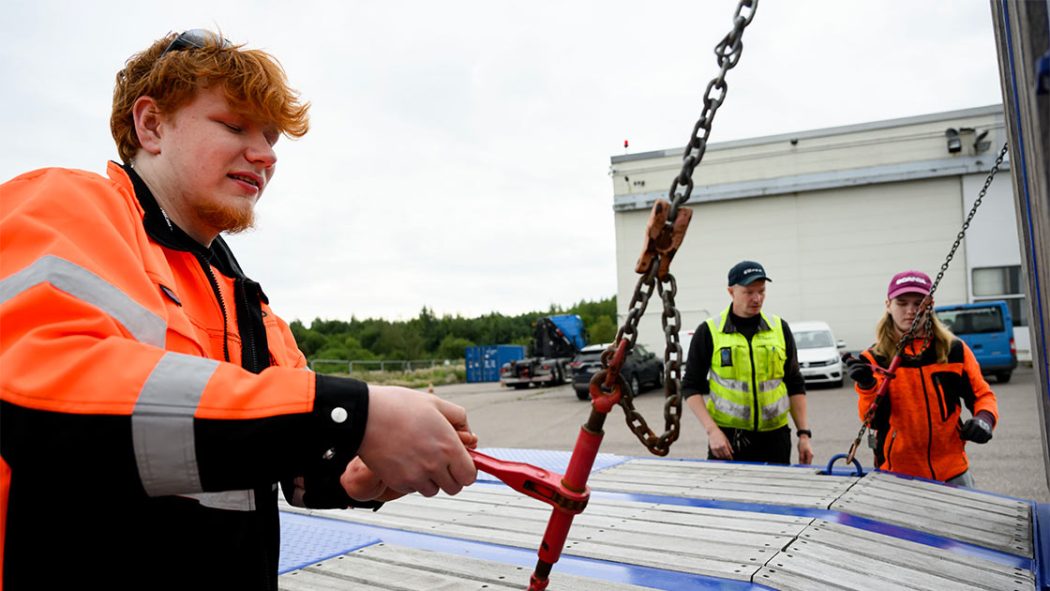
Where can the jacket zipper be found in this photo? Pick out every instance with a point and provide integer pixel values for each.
(222, 305)
(754, 384)
(248, 334)
(889, 450)
(929, 425)
(942, 401)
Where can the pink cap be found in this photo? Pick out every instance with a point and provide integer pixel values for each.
(909, 282)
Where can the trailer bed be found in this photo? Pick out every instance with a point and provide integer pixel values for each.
(678, 524)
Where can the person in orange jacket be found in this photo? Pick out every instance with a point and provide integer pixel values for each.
(919, 424)
(150, 399)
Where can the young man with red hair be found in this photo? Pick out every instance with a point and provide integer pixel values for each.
(151, 398)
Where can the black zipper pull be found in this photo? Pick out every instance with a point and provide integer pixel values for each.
(170, 293)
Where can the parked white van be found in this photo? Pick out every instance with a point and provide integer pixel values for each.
(818, 352)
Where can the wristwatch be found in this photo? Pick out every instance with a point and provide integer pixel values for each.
(805, 432)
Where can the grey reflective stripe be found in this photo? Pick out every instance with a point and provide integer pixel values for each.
(770, 385)
(230, 500)
(162, 424)
(778, 408)
(721, 322)
(86, 286)
(731, 384)
(730, 408)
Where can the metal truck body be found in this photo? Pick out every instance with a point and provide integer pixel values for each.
(555, 341)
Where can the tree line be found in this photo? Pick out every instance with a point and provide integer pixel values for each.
(428, 336)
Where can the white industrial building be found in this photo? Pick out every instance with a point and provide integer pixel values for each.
(832, 214)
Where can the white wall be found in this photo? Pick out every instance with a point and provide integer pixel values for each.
(832, 214)
(830, 253)
(992, 239)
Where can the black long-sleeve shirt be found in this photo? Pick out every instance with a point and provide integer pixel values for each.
(698, 363)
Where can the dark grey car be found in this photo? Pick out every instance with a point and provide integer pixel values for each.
(641, 369)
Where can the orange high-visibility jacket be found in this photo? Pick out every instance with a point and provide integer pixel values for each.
(918, 421)
(151, 400)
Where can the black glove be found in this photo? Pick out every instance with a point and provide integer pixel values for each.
(979, 428)
(859, 371)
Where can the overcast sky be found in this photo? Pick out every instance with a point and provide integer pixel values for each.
(459, 151)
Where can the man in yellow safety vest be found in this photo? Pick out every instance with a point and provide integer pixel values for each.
(743, 365)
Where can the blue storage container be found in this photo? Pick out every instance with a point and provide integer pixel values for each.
(484, 361)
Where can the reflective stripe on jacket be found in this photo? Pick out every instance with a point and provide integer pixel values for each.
(150, 398)
(918, 421)
(747, 377)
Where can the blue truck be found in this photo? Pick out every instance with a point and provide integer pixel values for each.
(555, 341)
(988, 329)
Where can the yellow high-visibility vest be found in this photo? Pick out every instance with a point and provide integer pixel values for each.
(747, 378)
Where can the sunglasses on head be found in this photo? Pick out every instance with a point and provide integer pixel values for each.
(193, 39)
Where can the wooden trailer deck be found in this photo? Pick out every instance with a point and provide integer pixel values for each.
(678, 524)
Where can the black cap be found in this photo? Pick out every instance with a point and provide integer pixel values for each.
(746, 273)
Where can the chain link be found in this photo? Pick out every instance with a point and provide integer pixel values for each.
(728, 53)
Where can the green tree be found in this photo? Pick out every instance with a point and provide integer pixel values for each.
(453, 347)
(430, 336)
(308, 340)
(603, 330)
(333, 352)
(355, 351)
(396, 341)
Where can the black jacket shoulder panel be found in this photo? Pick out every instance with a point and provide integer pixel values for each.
(956, 352)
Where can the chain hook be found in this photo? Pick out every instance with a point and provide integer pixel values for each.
(663, 237)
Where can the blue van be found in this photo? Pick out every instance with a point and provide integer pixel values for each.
(989, 330)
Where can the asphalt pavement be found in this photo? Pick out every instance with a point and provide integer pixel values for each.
(1012, 463)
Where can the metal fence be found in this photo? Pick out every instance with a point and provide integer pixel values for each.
(373, 365)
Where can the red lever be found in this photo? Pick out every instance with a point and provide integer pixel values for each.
(534, 482)
(567, 494)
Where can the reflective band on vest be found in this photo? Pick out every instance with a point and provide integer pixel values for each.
(730, 408)
(735, 401)
(88, 287)
(731, 384)
(162, 424)
(778, 409)
(769, 385)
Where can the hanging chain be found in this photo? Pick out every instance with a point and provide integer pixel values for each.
(663, 236)
(728, 53)
(926, 313)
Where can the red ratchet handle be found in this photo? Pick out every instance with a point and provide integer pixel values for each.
(567, 494)
(533, 481)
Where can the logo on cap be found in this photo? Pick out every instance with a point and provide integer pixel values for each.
(910, 279)
(747, 272)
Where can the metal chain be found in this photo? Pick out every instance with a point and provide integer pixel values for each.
(927, 312)
(728, 52)
(926, 315)
(671, 320)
